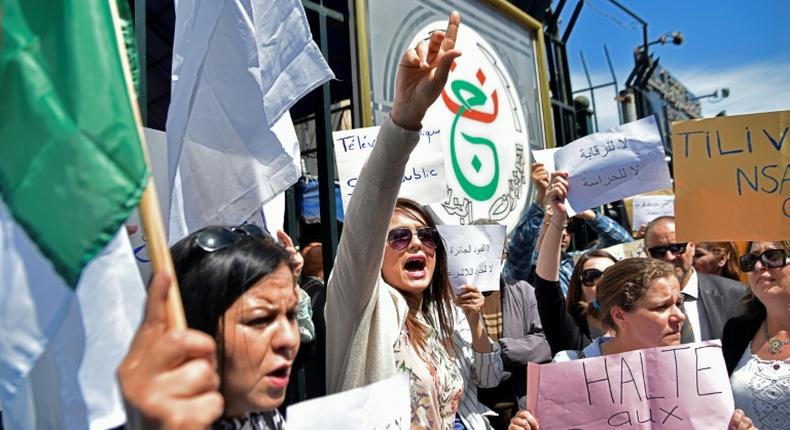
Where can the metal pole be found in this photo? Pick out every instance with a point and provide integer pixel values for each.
(326, 164)
(140, 39)
(592, 91)
(614, 80)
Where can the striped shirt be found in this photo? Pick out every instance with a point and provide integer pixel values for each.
(482, 370)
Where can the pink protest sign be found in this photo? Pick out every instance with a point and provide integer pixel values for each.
(678, 387)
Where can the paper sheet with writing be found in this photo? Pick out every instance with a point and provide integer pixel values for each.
(648, 208)
(474, 255)
(678, 387)
(384, 405)
(624, 161)
(424, 179)
(732, 177)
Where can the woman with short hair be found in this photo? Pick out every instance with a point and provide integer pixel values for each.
(638, 298)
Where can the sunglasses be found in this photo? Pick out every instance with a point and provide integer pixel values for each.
(771, 259)
(661, 251)
(590, 276)
(400, 238)
(215, 238)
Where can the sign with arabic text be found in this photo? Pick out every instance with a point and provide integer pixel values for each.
(648, 208)
(474, 255)
(606, 166)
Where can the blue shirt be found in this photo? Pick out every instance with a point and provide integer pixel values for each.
(523, 256)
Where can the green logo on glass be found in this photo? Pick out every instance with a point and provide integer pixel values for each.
(471, 96)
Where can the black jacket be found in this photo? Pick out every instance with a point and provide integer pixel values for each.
(721, 299)
(563, 330)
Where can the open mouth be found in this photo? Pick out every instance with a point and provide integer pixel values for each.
(279, 377)
(415, 266)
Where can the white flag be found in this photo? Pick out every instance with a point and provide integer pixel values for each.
(59, 347)
(238, 66)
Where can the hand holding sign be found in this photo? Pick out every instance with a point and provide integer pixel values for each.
(558, 192)
(470, 300)
(609, 165)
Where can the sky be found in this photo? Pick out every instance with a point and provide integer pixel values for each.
(740, 45)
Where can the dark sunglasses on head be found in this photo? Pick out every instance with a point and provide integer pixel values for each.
(771, 259)
(400, 238)
(215, 238)
(590, 276)
(661, 251)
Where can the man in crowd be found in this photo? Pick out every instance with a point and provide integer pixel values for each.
(709, 300)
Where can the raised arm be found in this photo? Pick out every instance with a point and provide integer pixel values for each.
(548, 266)
(422, 73)
(560, 328)
(486, 360)
(521, 250)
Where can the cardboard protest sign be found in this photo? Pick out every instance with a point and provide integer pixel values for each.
(648, 208)
(474, 255)
(424, 179)
(384, 405)
(729, 170)
(677, 387)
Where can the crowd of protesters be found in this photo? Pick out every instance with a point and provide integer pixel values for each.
(387, 306)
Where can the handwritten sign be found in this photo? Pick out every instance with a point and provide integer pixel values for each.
(729, 170)
(648, 208)
(474, 255)
(424, 179)
(678, 387)
(607, 166)
(384, 405)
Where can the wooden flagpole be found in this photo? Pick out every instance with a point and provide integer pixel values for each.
(150, 212)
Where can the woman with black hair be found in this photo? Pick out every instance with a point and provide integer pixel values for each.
(251, 313)
(240, 300)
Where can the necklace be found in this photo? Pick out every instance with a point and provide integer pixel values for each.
(774, 345)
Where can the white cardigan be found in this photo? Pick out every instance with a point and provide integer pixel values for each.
(364, 315)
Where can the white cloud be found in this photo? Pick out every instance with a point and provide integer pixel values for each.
(758, 87)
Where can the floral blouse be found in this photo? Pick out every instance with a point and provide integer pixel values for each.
(435, 381)
(255, 421)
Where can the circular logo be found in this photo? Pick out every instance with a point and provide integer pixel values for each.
(483, 133)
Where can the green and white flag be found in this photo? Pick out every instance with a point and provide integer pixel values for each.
(71, 171)
(69, 144)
